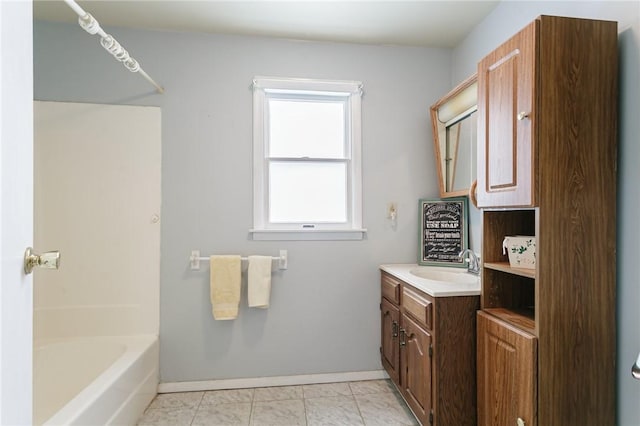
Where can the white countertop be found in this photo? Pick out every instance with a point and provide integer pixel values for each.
(432, 287)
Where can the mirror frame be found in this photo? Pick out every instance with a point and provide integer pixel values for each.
(439, 127)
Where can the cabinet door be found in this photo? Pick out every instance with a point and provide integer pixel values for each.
(390, 348)
(415, 352)
(506, 118)
(507, 374)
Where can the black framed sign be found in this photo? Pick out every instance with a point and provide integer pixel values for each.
(443, 232)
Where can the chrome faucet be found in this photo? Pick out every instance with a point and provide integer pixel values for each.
(473, 261)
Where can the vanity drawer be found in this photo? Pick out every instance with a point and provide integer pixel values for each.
(418, 306)
(390, 288)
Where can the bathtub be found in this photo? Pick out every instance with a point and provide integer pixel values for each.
(94, 380)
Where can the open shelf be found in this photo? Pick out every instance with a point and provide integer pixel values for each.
(506, 267)
(508, 293)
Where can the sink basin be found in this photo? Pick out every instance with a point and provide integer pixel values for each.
(453, 277)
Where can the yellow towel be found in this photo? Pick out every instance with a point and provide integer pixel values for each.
(259, 281)
(225, 286)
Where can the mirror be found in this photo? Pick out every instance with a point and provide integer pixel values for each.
(454, 121)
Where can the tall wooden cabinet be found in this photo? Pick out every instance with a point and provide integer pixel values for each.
(547, 108)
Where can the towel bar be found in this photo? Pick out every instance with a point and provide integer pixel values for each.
(195, 258)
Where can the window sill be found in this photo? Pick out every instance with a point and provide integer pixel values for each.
(308, 235)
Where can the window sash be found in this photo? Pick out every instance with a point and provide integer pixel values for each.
(344, 193)
(346, 117)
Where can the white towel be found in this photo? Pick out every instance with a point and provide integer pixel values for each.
(259, 281)
(225, 286)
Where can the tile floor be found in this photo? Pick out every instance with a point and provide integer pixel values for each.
(372, 402)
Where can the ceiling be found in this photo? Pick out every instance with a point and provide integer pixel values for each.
(428, 23)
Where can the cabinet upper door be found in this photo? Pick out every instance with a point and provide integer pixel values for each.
(389, 349)
(506, 123)
(507, 379)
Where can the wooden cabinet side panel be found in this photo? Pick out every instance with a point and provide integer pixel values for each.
(454, 361)
(507, 381)
(577, 241)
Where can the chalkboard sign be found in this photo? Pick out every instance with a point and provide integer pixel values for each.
(443, 231)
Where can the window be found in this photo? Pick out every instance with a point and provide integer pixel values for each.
(306, 159)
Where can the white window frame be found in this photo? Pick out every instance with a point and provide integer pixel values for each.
(265, 88)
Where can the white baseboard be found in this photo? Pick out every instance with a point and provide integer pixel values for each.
(262, 382)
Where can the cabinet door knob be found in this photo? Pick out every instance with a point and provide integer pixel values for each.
(520, 422)
(48, 260)
(522, 115)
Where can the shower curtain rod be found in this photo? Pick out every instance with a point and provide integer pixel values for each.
(90, 25)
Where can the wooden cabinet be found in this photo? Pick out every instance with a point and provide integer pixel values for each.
(506, 155)
(565, 144)
(390, 349)
(507, 367)
(416, 353)
(430, 356)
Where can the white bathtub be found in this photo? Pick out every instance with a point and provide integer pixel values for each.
(94, 380)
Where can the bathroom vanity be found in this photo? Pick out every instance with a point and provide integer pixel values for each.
(428, 341)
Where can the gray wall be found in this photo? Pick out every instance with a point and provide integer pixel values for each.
(324, 314)
(504, 21)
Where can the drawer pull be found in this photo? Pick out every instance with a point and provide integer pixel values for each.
(522, 115)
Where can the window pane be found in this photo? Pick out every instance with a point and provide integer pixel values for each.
(307, 192)
(306, 129)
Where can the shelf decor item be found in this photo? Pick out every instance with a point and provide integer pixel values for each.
(443, 232)
(521, 250)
